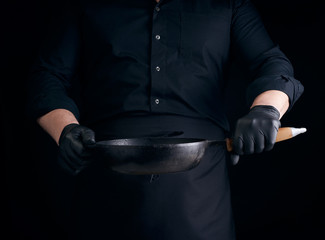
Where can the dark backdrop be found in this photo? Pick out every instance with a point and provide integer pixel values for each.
(276, 195)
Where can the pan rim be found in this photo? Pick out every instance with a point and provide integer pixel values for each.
(150, 142)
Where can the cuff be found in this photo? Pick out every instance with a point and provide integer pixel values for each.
(43, 104)
(285, 83)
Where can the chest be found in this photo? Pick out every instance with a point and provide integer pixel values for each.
(179, 25)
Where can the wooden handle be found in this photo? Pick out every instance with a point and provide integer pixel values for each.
(283, 134)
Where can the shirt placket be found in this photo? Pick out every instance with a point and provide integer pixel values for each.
(158, 65)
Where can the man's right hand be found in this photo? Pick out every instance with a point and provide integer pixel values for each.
(75, 145)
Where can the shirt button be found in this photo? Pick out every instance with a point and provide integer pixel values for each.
(157, 101)
(157, 9)
(158, 37)
(157, 68)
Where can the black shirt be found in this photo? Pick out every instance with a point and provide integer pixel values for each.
(138, 56)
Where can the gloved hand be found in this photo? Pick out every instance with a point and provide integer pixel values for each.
(255, 132)
(75, 145)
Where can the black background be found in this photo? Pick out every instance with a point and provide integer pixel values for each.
(276, 195)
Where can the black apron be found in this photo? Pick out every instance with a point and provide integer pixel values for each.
(190, 205)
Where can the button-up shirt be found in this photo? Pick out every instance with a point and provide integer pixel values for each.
(140, 56)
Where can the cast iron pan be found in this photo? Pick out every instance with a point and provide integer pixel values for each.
(152, 155)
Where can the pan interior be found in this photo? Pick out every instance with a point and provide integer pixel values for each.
(148, 141)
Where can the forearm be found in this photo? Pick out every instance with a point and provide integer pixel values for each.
(275, 98)
(54, 122)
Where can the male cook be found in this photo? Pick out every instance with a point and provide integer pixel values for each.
(152, 68)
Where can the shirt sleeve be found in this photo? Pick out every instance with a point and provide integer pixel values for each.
(54, 68)
(268, 67)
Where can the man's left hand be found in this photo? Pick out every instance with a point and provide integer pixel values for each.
(255, 132)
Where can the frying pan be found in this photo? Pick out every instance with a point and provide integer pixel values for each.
(162, 155)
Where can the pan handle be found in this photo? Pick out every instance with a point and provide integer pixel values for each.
(283, 134)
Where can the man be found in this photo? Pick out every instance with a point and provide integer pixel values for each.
(144, 68)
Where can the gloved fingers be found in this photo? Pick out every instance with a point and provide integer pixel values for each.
(237, 150)
(269, 143)
(82, 134)
(82, 141)
(248, 144)
(271, 136)
(88, 137)
(78, 150)
(238, 145)
(65, 162)
(72, 152)
(259, 142)
(82, 154)
(72, 163)
(71, 155)
(234, 158)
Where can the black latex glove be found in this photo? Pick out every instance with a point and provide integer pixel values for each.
(75, 146)
(255, 132)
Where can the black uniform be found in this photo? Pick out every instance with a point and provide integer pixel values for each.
(155, 68)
